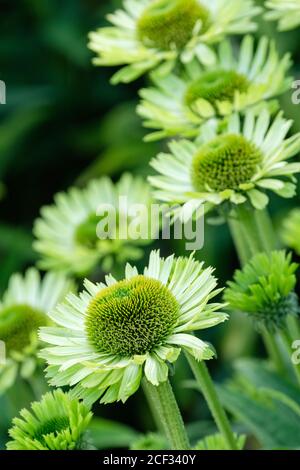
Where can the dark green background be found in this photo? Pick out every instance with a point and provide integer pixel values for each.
(64, 124)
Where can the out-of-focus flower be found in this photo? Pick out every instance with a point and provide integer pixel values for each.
(179, 104)
(148, 33)
(114, 333)
(287, 12)
(23, 310)
(67, 234)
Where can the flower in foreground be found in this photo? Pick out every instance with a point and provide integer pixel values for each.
(148, 33)
(287, 12)
(67, 234)
(178, 105)
(114, 333)
(290, 233)
(250, 155)
(23, 310)
(56, 422)
(264, 289)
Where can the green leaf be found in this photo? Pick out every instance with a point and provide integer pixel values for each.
(275, 424)
(106, 434)
(261, 376)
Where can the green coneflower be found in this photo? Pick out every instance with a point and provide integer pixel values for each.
(56, 422)
(179, 104)
(246, 158)
(66, 234)
(148, 33)
(113, 334)
(287, 12)
(264, 289)
(23, 310)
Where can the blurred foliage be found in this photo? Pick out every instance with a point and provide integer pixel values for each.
(64, 124)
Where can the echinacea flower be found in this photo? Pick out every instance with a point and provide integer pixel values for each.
(249, 155)
(287, 12)
(290, 232)
(56, 422)
(148, 33)
(23, 310)
(177, 105)
(67, 235)
(114, 333)
(264, 289)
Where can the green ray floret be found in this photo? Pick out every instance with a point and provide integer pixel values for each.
(113, 334)
(23, 310)
(287, 13)
(264, 289)
(146, 34)
(84, 227)
(238, 162)
(57, 422)
(236, 80)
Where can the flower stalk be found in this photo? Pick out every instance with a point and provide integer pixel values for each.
(166, 413)
(288, 341)
(206, 385)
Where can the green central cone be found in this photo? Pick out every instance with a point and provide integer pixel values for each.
(216, 85)
(171, 22)
(131, 317)
(17, 323)
(53, 425)
(86, 233)
(225, 163)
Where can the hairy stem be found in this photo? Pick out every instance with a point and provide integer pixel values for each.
(166, 413)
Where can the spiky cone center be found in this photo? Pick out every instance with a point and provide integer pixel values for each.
(54, 425)
(225, 163)
(165, 23)
(17, 325)
(216, 86)
(131, 317)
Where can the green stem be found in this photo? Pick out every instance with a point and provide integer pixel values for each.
(209, 392)
(273, 351)
(252, 233)
(293, 325)
(288, 341)
(166, 412)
